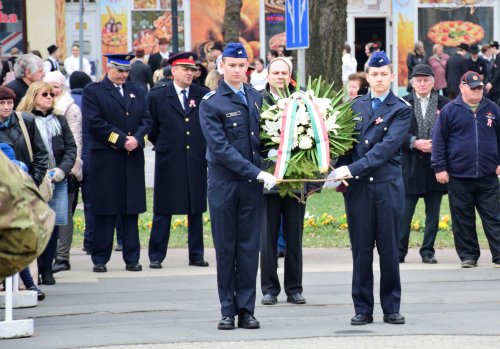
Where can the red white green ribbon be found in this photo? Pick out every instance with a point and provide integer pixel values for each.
(288, 126)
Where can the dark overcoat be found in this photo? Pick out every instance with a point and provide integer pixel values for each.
(116, 176)
(456, 66)
(418, 175)
(180, 165)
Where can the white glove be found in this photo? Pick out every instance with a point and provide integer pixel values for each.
(58, 175)
(331, 184)
(268, 179)
(342, 171)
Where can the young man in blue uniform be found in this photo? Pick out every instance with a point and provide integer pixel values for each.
(180, 164)
(118, 119)
(376, 192)
(466, 155)
(229, 118)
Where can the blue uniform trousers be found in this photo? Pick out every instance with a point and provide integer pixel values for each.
(160, 234)
(374, 213)
(102, 245)
(235, 213)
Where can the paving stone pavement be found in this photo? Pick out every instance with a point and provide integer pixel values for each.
(177, 307)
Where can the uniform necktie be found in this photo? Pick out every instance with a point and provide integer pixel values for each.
(376, 103)
(120, 89)
(242, 97)
(185, 100)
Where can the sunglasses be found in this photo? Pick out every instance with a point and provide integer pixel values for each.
(46, 94)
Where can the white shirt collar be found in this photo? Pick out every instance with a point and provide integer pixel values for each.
(179, 89)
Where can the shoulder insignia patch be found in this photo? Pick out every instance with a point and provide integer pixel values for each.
(404, 101)
(208, 95)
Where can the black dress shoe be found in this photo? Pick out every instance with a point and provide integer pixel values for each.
(155, 265)
(100, 268)
(133, 267)
(296, 298)
(395, 319)
(226, 323)
(429, 260)
(269, 299)
(39, 293)
(60, 266)
(47, 278)
(199, 263)
(362, 319)
(248, 321)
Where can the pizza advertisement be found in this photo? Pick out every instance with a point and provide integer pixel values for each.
(452, 27)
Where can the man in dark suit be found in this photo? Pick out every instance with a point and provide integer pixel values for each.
(418, 176)
(118, 119)
(375, 192)
(493, 86)
(140, 72)
(456, 66)
(155, 59)
(478, 63)
(229, 118)
(180, 164)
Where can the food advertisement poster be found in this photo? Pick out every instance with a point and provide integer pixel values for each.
(11, 26)
(207, 17)
(404, 13)
(114, 20)
(145, 4)
(453, 27)
(167, 5)
(150, 26)
(275, 25)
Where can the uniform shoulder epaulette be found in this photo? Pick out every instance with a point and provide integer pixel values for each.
(208, 95)
(404, 101)
(157, 87)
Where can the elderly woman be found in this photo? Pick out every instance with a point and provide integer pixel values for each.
(65, 105)
(60, 144)
(11, 133)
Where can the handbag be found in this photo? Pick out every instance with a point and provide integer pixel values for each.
(45, 186)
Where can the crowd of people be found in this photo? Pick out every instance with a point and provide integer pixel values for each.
(203, 119)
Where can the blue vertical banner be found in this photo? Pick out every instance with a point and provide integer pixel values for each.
(297, 24)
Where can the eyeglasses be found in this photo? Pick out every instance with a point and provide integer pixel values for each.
(46, 94)
(477, 88)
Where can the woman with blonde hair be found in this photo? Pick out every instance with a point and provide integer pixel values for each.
(65, 105)
(58, 139)
(212, 79)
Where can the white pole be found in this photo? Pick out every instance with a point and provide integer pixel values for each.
(8, 299)
(301, 66)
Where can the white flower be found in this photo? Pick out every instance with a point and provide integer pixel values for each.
(282, 103)
(331, 123)
(305, 142)
(273, 107)
(302, 116)
(323, 104)
(300, 130)
(268, 115)
(310, 132)
(272, 128)
(275, 140)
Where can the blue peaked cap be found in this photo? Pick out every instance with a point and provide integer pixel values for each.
(120, 61)
(379, 59)
(235, 50)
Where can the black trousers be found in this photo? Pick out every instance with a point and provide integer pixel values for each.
(102, 246)
(44, 261)
(235, 213)
(432, 201)
(292, 212)
(160, 234)
(466, 194)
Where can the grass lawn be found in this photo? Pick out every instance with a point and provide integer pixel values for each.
(325, 224)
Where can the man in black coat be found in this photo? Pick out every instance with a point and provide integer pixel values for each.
(493, 86)
(418, 176)
(140, 73)
(155, 59)
(456, 67)
(118, 121)
(180, 164)
(28, 69)
(478, 63)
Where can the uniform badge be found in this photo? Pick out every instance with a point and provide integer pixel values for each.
(113, 137)
(489, 119)
(379, 120)
(234, 113)
(208, 95)
(192, 103)
(132, 95)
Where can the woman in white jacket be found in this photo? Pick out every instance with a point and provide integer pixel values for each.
(66, 106)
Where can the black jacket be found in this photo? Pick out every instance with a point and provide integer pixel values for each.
(14, 136)
(418, 176)
(412, 60)
(456, 67)
(494, 93)
(63, 145)
(19, 87)
(141, 74)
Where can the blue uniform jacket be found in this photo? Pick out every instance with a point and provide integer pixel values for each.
(377, 155)
(231, 130)
(116, 176)
(467, 144)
